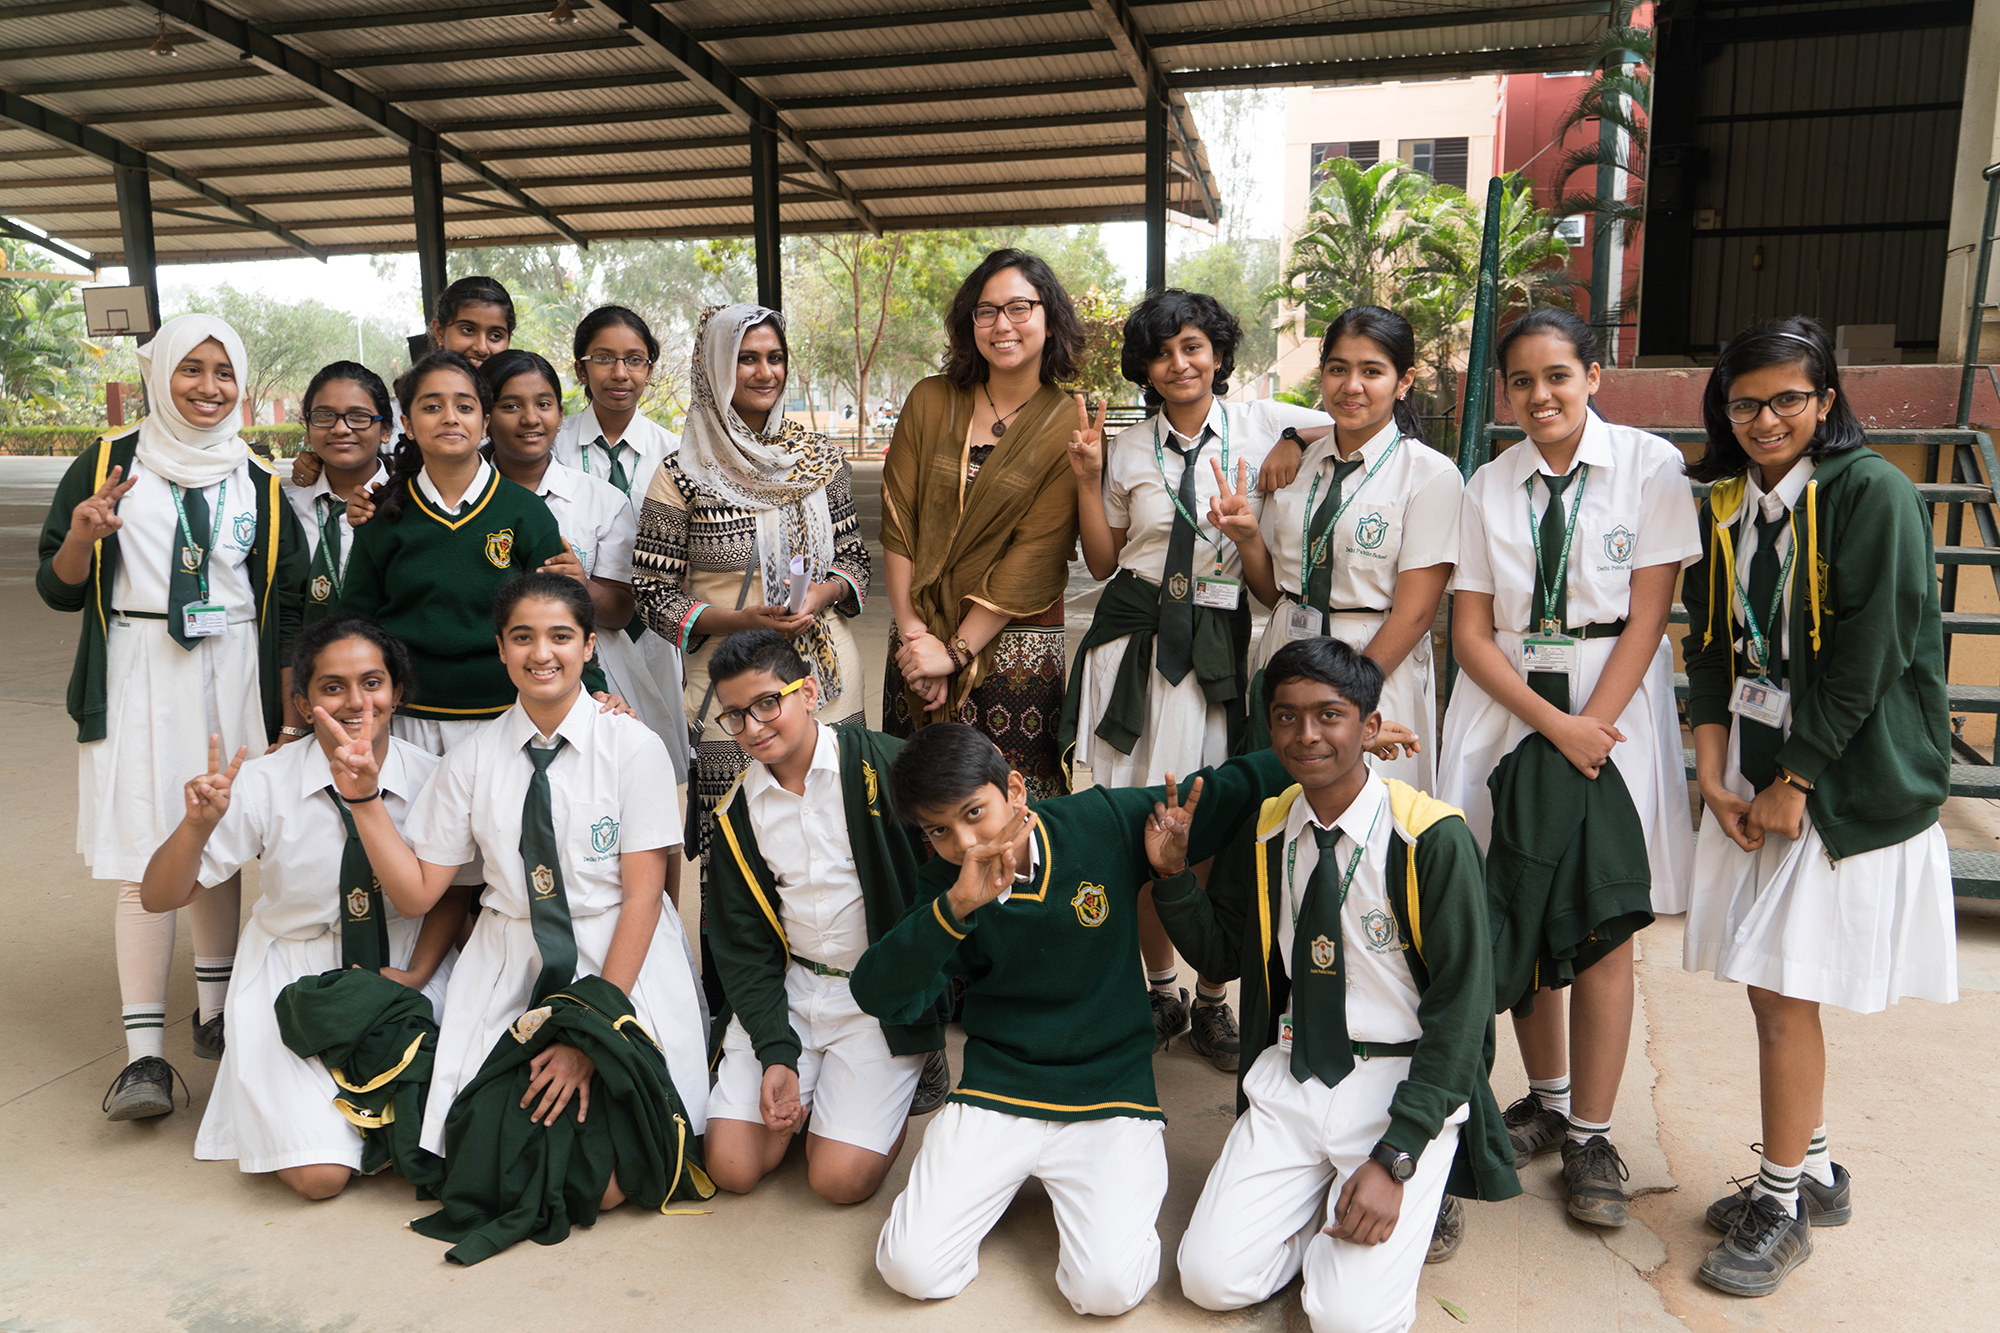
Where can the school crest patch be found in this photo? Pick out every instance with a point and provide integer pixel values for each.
(1381, 928)
(1177, 587)
(871, 784)
(322, 589)
(1322, 952)
(245, 528)
(1370, 531)
(357, 904)
(604, 834)
(190, 558)
(1618, 544)
(528, 1024)
(544, 881)
(499, 547)
(1092, 904)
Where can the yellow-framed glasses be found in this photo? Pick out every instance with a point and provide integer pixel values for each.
(766, 709)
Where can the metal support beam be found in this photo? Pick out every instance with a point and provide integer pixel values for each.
(49, 244)
(1150, 77)
(135, 224)
(427, 204)
(1156, 197)
(767, 236)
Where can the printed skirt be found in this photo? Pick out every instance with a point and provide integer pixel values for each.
(1019, 705)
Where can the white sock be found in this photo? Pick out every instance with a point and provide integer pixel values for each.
(1206, 992)
(1583, 1131)
(1777, 1183)
(145, 1031)
(1552, 1093)
(211, 984)
(1163, 982)
(1819, 1162)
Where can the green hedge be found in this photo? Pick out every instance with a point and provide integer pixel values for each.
(68, 441)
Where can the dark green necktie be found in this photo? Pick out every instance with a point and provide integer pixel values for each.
(1173, 650)
(323, 580)
(1321, 1052)
(548, 904)
(617, 473)
(364, 925)
(1757, 745)
(1319, 585)
(187, 565)
(1549, 573)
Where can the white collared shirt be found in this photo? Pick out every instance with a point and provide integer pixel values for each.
(646, 444)
(473, 491)
(1381, 994)
(1403, 517)
(1768, 504)
(281, 816)
(1636, 511)
(150, 539)
(1140, 490)
(804, 842)
(610, 791)
(1026, 876)
(305, 502)
(596, 518)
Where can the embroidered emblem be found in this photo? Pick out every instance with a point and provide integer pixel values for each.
(1177, 587)
(1251, 485)
(499, 546)
(869, 781)
(190, 558)
(1322, 952)
(528, 1024)
(604, 834)
(246, 530)
(1092, 904)
(357, 904)
(1618, 545)
(322, 589)
(544, 881)
(1370, 531)
(1381, 928)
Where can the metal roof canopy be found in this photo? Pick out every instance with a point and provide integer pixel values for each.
(277, 130)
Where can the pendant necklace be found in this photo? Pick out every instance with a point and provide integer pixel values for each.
(1000, 420)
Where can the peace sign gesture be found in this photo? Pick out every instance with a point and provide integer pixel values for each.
(990, 866)
(1086, 442)
(97, 518)
(207, 796)
(1229, 512)
(356, 771)
(1167, 830)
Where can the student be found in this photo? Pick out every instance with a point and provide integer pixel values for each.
(1362, 543)
(811, 869)
(272, 1111)
(613, 440)
(1822, 874)
(1036, 910)
(347, 417)
(187, 565)
(1159, 681)
(563, 803)
(1569, 546)
(1355, 912)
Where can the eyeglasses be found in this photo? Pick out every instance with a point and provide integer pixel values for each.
(325, 417)
(765, 709)
(604, 361)
(1017, 312)
(1743, 411)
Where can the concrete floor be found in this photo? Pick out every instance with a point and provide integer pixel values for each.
(117, 1227)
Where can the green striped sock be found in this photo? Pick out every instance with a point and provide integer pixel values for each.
(1552, 1093)
(1819, 1162)
(1777, 1183)
(145, 1030)
(211, 984)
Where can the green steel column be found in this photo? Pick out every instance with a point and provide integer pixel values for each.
(1976, 317)
(766, 235)
(1485, 312)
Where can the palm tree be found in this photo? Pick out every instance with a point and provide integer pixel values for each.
(1619, 97)
(41, 342)
(1359, 226)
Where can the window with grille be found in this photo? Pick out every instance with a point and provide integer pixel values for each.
(1364, 153)
(1443, 160)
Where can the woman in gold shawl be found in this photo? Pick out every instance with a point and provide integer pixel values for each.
(979, 521)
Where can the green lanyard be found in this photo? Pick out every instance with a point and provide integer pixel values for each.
(1758, 646)
(1346, 880)
(1173, 491)
(1311, 558)
(200, 553)
(1553, 591)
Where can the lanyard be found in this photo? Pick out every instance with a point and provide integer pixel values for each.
(1758, 639)
(1174, 492)
(1550, 593)
(1313, 552)
(200, 553)
(1346, 880)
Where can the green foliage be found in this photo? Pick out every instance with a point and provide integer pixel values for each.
(287, 341)
(1619, 95)
(1358, 227)
(1100, 379)
(45, 360)
(68, 441)
(1239, 273)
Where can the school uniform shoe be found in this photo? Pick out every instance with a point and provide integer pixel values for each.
(1449, 1233)
(1533, 1129)
(1593, 1171)
(143, 1089)
(1213, 1034)
(1826, 1205)
(207, 1036)
(1767, 1242)
(934, 1086)
(1170, 1015)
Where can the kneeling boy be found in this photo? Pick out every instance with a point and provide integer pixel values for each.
(1355, 912)
(807, 869)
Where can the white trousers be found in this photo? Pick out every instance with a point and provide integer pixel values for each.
(1260, 1215)
(1105, 1179)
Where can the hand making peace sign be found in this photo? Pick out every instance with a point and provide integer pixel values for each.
(97, 518)
(1086, 442)
(1230, 510)
(207, 796)
(1167, 829)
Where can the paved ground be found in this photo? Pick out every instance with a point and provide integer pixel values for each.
(115, 1227)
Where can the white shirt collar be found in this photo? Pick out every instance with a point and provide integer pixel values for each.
(575, 727)
(1786, 495)
(316, 774)
(472, 492)
(559, 481)
(1212, 422)
(1357, 821)
(1326, 450)
(323, 486)
(826, 758)
(1594, 448)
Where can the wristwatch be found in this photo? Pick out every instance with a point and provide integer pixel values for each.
(1292, 433)
(1400, 1165)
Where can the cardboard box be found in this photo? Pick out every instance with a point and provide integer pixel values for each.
(1854, 337)
(1868, 356)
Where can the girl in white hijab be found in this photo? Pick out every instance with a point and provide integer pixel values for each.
(174, 543)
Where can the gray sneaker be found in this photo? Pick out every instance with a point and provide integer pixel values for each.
(1170, 1015)
(1767, 1242)
(1593, 1171)
(1533, 1129)
(143, 1089)
(1826, 1205)
(1213, 1034)
(207, 1036)
(1449, 1233)
(934, 1086)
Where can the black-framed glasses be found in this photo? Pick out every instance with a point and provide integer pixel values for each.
(325, 418)
(986, 312)
(604, 361)
(765, 709)
(1790, 403)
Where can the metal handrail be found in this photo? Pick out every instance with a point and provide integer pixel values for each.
(1975, 320)
(1485, 312)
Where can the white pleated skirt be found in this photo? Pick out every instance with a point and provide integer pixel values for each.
(1479, 733)
(1409, 693)
(646, 673)
(495, 979)
(1183, 731)
(270, 1110)
(162, 702)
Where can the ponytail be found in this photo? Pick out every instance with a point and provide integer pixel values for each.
(405, 461)
(1408, 422)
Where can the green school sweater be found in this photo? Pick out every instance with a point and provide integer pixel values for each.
(277, 568)
(430, 581)
(1871, 724)
(1441, 917)
(1058, 1025)
(750, 948)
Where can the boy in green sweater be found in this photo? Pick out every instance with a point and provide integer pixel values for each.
(1355, 912)
(1038, 911)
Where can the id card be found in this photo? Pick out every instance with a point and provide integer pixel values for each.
(202, 620)
(1553, 653)
(1218, 593)
(1302, 622)
(1760, 701)
(1285, 1033)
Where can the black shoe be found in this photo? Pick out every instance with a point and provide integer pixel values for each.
(1767, 1242)
(1826, 1205)
(934, 1086)
(143, 1089)
(1533, 1129)
(1170, 1015)
(1213, 1034)
(1593, 1171)
(1449, 1233)
(207, 1036)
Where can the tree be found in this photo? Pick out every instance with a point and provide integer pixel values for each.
(1099, 377)
(42, 347)
(1358, 225)
(286, 342)
(863, 270)
(1619, 97)
(1239, 273)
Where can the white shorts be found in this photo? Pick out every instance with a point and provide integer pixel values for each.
(858, 1092)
